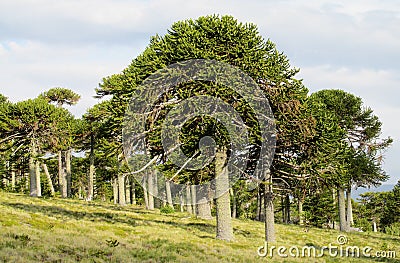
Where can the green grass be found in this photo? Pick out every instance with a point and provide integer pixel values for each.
(57, 230)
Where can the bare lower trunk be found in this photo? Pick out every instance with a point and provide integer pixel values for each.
(269, 209)
(68, 172)
(115, 190)
(133, 192)
(46, 172)
(37, 174)
(287, 209)
(13, 180)
(188, 200)
(223, 206)
(204, 209)
(374, 228)
(300, 210)
(121, 189)
(32, 177)
(169, 196)
(150, 190)
(182, 202)
(145, 194)
(90, 194)
(194, 198)
(342, 210)
(233, 203)
(350, 222)
(203, 205)
(127, 190)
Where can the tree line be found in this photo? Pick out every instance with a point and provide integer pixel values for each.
(327, 142)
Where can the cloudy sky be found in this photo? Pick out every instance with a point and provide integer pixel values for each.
(350, 45)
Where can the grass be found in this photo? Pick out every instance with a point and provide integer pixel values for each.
(60, 230)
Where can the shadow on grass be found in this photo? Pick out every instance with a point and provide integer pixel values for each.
(62, 213)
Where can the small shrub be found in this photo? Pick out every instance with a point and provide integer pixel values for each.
(393, 229)
(167, 210)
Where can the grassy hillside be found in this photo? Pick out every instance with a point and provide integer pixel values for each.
(56, 230)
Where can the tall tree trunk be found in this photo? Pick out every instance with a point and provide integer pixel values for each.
(350, 222)
(150, 190)
(181, 201)
(121, 189)
(168, 191)
(258, 208)
(342, 210)
(157, 200)
(90, 194)
(46, 172)
(300, 210)
(133, 192)
(145, 193)
(374, 228)
(12, 179)
(32, 171)
(188, 200)
(127, 190)
(115, 190)
(37, 174)
(194, 198)
(203, 205)
(269, 209)
(68, 172)
(223, 206)
(233, 203)
(32, 177)
(62, 175)
(287, 209)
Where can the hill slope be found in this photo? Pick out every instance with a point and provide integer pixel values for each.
(57, 230)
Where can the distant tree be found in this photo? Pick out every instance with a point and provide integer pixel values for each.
(60, 97)
(34, 126)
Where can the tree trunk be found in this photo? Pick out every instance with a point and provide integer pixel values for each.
(150, 190)
(233, 203)
(287, 209)
(194, 198)
(269, 210)
(169, 196)
(46, 172)
(133, 192)
(68, 171)
(90, 194)
(350, 222)
(127, 190)
(300, 210)
(182, 202)
(13, 180)
(121, 189)
(204, 209)
(223, 206)
(374, 228)
(203, 205)
(37, 174)
(145, 194)
(32, 176)
(188, 200)
(115, 190)
(342, 210)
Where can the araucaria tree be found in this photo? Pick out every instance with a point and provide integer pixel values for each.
(212, 38)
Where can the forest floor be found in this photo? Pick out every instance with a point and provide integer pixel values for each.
(66, 230)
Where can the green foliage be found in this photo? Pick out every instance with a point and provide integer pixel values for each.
(60, 96)
(393, 229)
(167, 210)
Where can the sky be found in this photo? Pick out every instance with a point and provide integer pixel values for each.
(350, 45)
